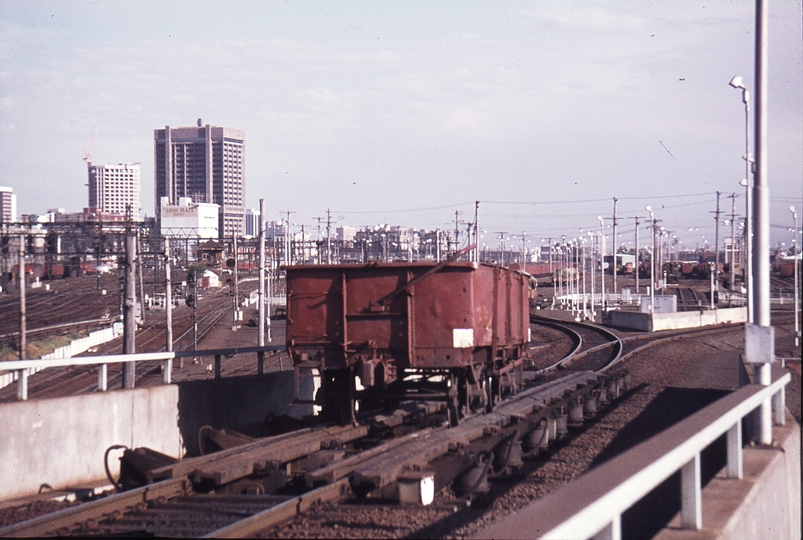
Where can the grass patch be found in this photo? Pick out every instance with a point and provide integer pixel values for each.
(39, 347)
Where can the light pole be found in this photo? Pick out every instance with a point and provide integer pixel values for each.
(747, 259)
(583, 258)
(593, 258)
(736, 82)
(602, 261)
(797, 279)
(652, 261)
(570, 277)
(577, 272)
(660, 258)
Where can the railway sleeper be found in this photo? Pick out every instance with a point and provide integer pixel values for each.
(488, 447)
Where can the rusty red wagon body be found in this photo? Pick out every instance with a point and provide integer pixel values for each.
(382, 321)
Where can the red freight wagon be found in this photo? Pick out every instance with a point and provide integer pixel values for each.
(455, 331)
(786, 269)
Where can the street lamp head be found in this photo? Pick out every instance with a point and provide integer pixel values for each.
(792, 209)
(743, 182)
(736, 82)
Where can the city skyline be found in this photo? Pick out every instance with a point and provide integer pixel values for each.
(206, 163)
(406, 114)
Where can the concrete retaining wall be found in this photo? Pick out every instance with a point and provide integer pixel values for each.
(772, 507)
(764, 504)
(62, 441)
(673, 321)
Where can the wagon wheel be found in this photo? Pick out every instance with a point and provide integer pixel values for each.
(518, 378)
(512, 382)
(463, 394)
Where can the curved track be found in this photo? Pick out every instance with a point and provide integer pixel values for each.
(594, 346)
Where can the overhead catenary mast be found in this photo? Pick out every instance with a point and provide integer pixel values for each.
(613, 244)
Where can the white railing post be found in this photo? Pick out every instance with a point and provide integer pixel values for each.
(612, 531)
(103, 371)
(691, 511)
(735, 468)
(167, 366)
(779, 407)
(22, 385)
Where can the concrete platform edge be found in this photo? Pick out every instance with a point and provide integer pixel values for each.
(765, 504)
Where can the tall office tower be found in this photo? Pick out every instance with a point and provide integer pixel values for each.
(206, 163)
(8, 205)
(252, 222)
(114, 189)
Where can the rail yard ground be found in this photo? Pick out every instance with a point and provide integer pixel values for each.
(669, 382)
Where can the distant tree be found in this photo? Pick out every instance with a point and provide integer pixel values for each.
(196, 270)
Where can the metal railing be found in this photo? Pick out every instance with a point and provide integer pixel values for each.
(592, 506)
(23, 368)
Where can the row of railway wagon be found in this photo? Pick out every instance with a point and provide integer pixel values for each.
(55, 270)
(384, 332)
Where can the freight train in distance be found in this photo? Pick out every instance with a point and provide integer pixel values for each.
(454, 331)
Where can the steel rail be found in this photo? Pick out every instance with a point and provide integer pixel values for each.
(680, 334)
(575, 354)
(63, 521)
(576, 338)
(62, 326)
(250, 526)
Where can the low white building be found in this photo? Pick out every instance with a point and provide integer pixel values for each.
(188, 219)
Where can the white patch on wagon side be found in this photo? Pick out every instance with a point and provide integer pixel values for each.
(463, 338)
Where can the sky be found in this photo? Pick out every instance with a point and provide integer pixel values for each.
(404, 113)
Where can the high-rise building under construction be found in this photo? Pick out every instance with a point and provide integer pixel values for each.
(206, 163)
(114, 189)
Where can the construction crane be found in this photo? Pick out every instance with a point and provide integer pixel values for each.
(88, 153)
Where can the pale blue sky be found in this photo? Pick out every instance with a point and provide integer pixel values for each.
(403, 112)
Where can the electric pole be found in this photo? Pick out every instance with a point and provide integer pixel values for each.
(614, 245)
(261, 293)
(287, 244)
(328, 236)
(476, 231)
(638, 252)
(235, 275)
(129, 308)
(716, 246)
(23, 302)
(318, 240)
(168, 312)
(733, 245)
(502, 246)
(456, 230)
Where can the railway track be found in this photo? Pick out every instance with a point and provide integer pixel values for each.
(594, 346)
(379, 458)
(48, 310)
(75, 380)
(327, 472)
(689, 299)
